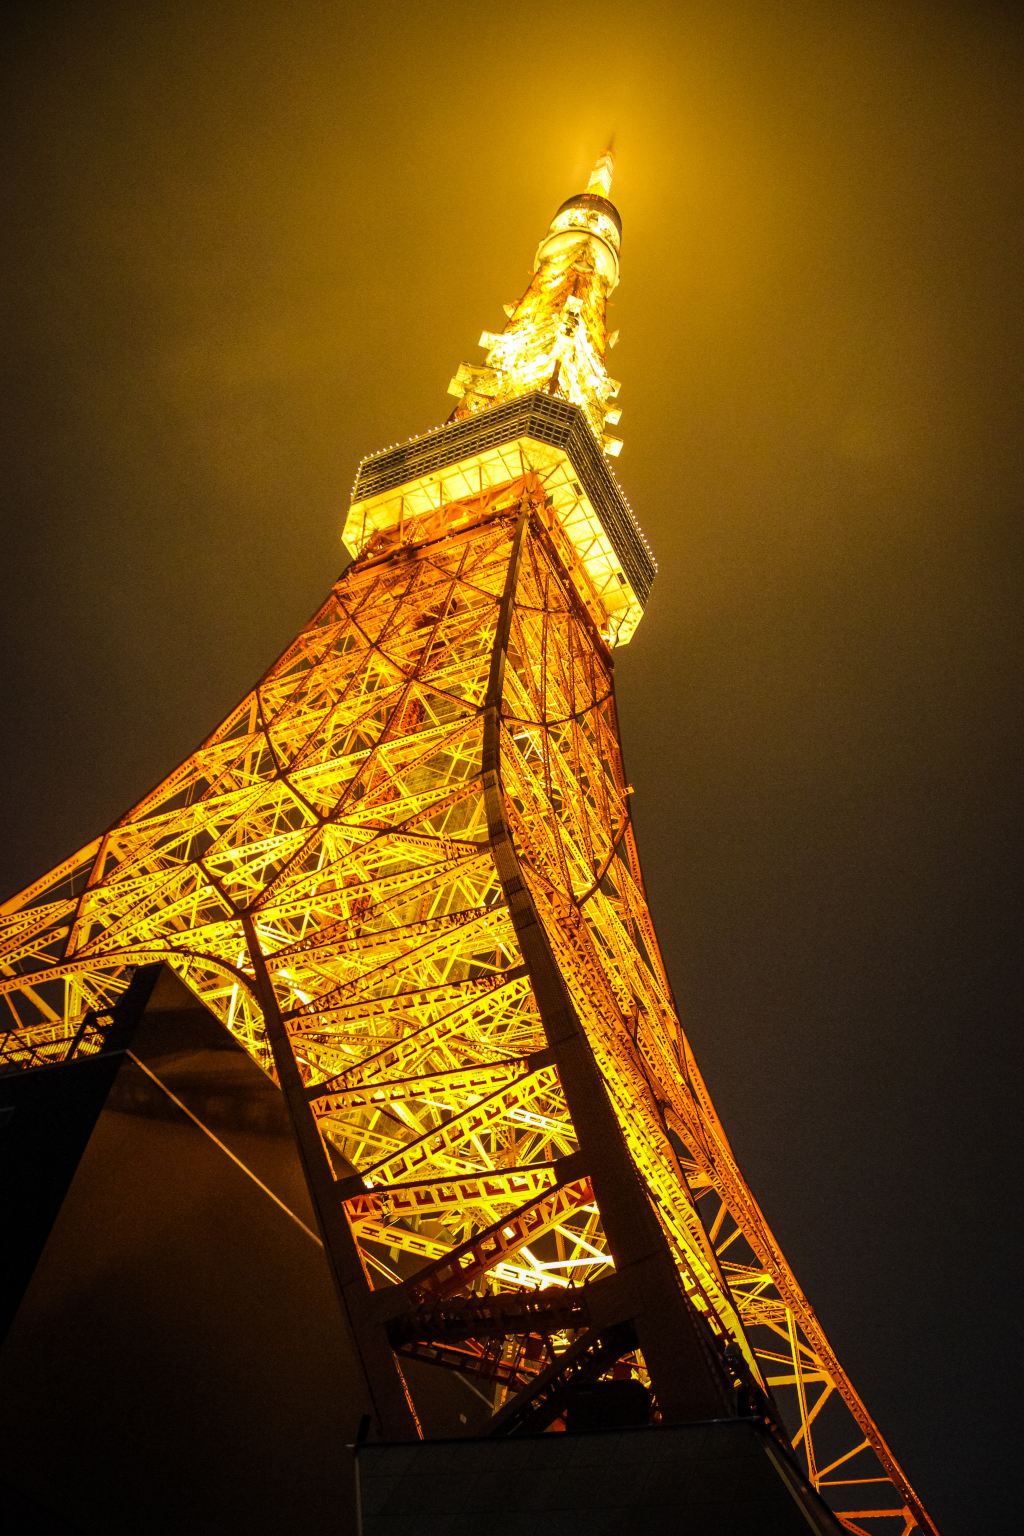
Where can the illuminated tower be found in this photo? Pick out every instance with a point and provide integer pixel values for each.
(402, 873)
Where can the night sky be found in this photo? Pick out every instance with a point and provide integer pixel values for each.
(248, 244)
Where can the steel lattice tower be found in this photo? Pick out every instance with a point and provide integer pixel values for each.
(403, 874)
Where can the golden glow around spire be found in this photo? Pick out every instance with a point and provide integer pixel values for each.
(556, 339)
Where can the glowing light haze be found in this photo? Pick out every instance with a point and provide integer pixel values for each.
(248, 245)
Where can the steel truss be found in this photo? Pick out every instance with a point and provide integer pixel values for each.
(403, 875)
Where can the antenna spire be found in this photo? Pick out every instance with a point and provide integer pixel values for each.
(556, 340)
(601, 176)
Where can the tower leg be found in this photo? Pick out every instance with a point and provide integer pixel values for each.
(686, 1374)
(385, 1388)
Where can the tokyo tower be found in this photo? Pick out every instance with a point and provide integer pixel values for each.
(402, 873)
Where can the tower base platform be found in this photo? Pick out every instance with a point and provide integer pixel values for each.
(725, 1477)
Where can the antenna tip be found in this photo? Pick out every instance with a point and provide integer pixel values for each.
(601, 176)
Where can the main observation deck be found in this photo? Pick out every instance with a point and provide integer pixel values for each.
(538, 433)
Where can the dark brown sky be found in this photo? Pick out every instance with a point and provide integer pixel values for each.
(249, 243)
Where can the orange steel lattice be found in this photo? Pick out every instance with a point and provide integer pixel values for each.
(403, 875)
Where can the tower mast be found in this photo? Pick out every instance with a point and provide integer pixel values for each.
(402, 873)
